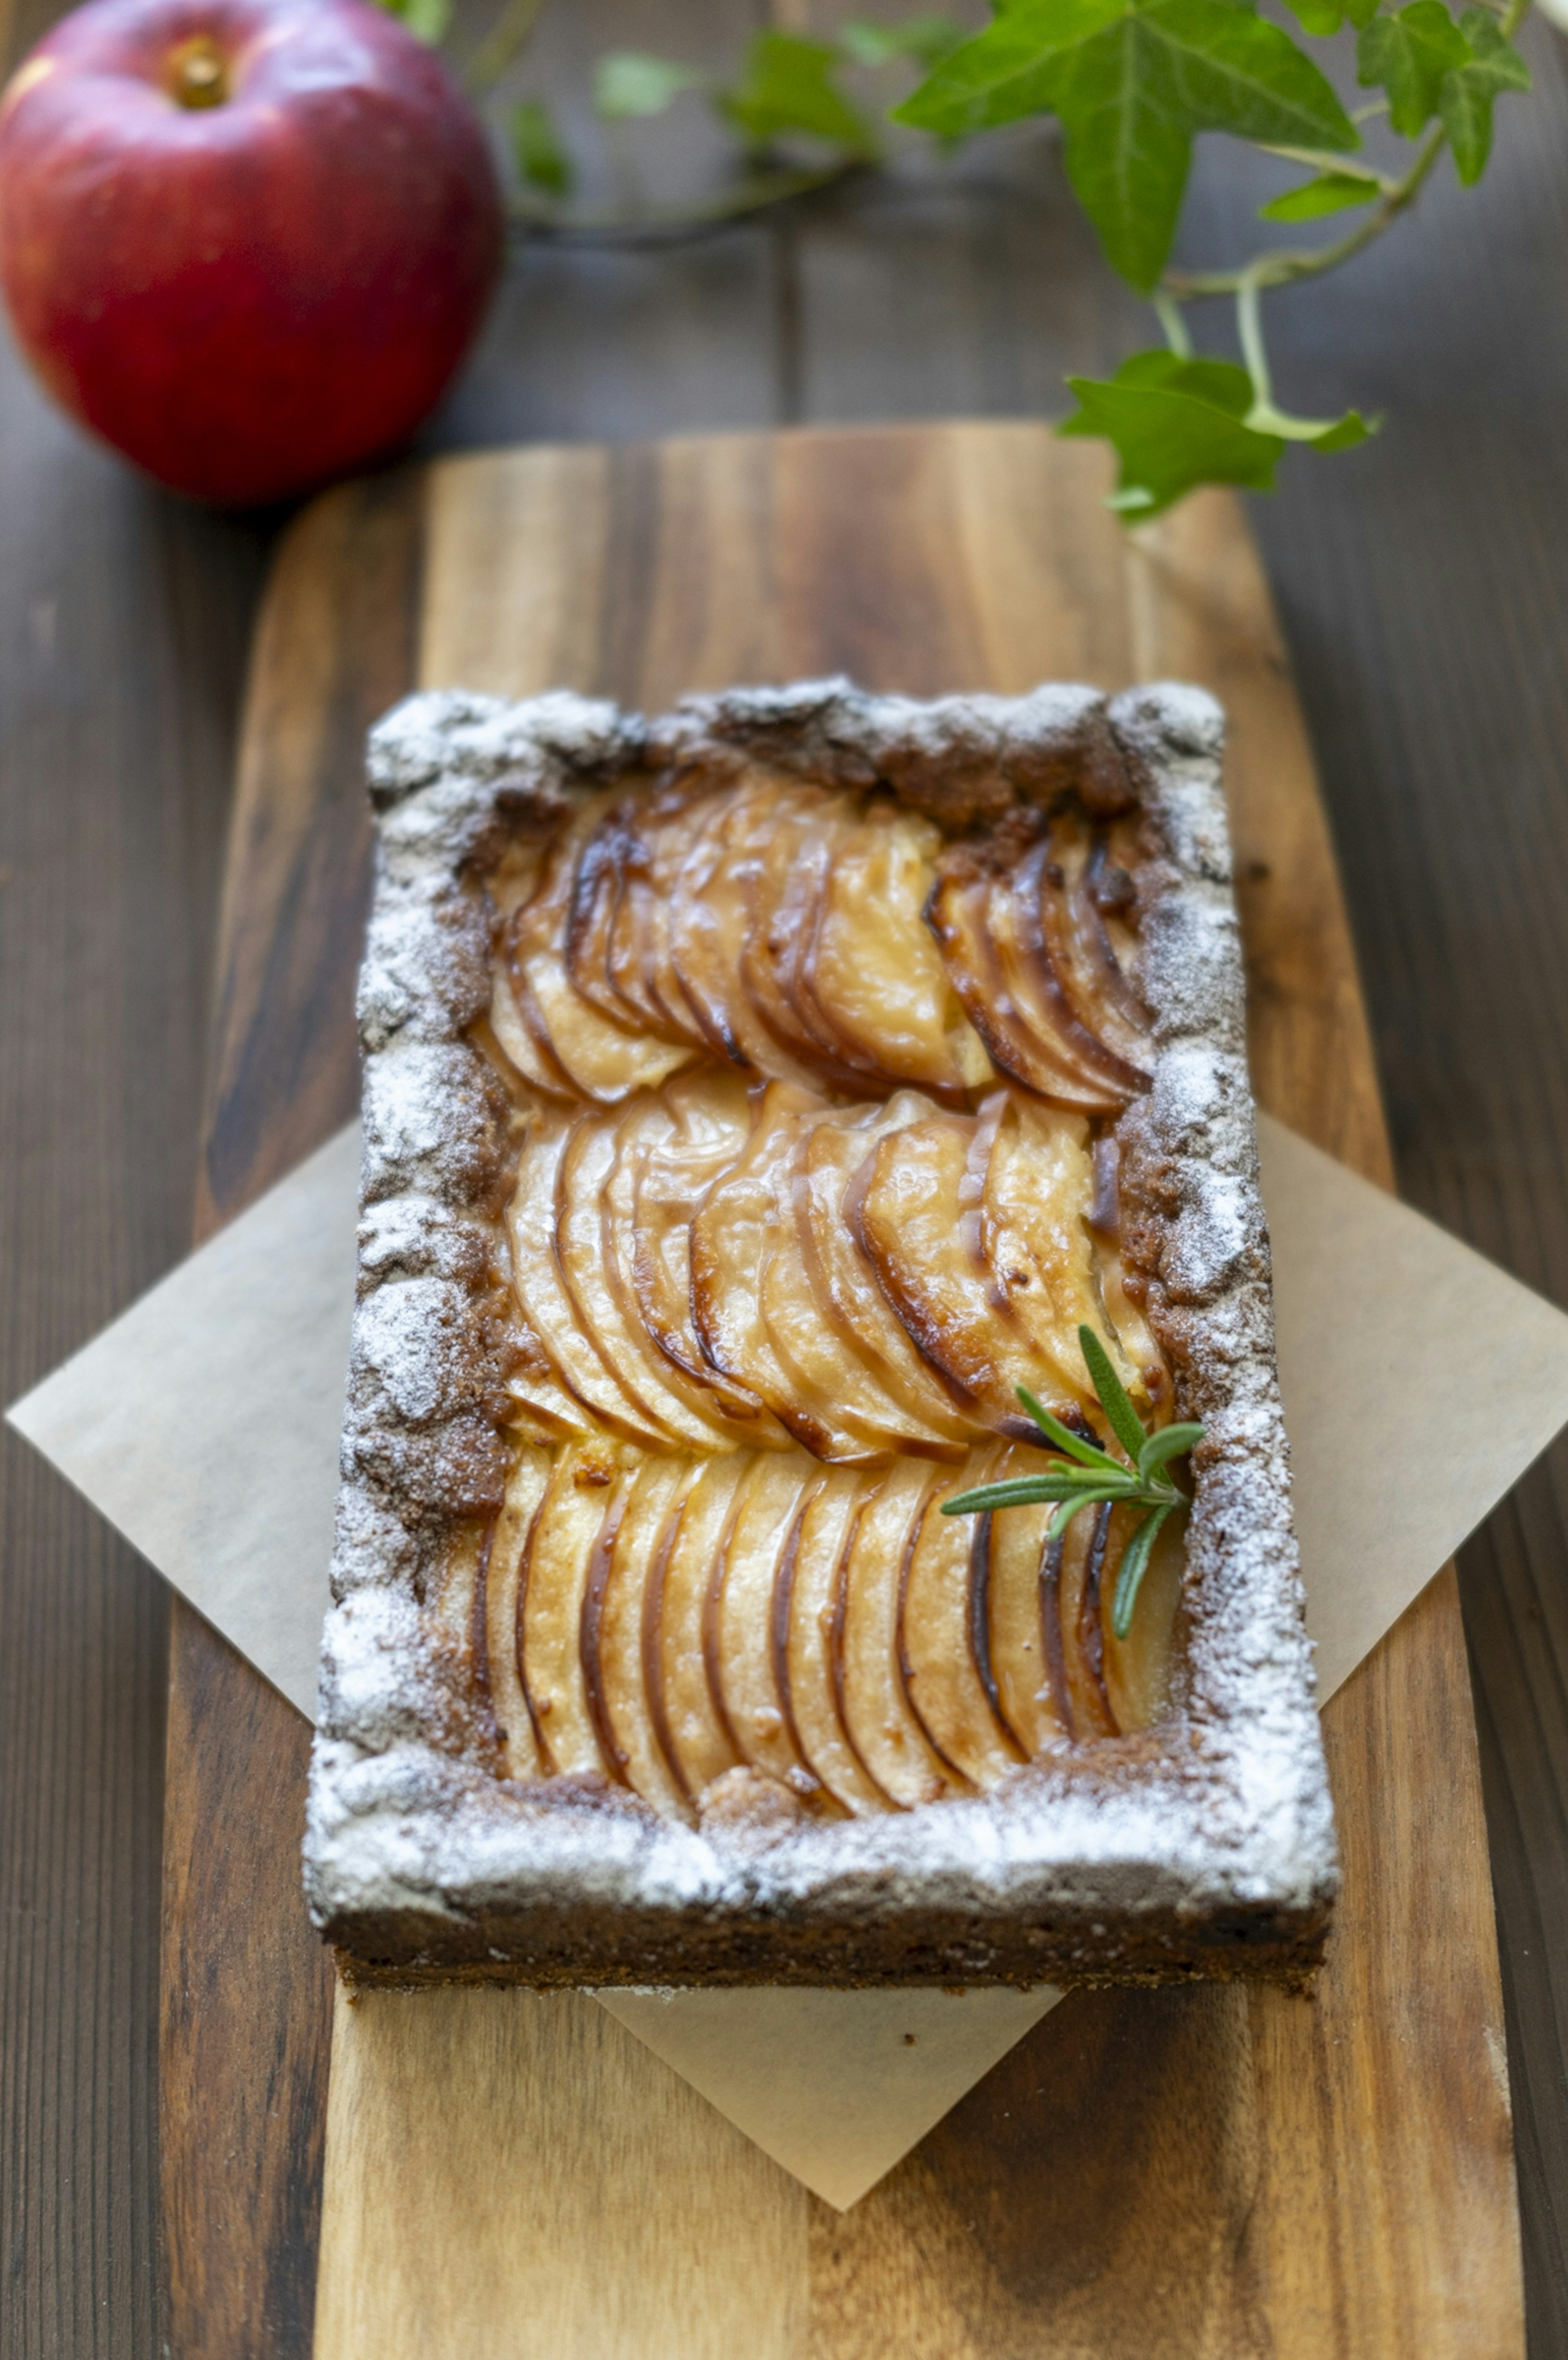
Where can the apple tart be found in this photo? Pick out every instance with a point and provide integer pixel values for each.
(773, 1113)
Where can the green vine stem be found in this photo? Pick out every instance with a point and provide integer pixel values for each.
(1285, 265)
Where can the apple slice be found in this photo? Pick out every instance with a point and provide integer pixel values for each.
(711, 917)
(1087, 896)
(599, 1057)
(1075, 1584)
(583, 1254)
(881, 1724)
(944, 1648)
(686, 1712)
(588, 1489)
(733, 1234)
(739, 1624)
(965, 913)
(1016, 1573)
(818, 1357)
(833, 1150)
(526, 1487)
(520, 1044)
(707, 1122)
(806, 1613)
(788, 879)
(546, 1306)
(615, 1663)
(1041, 965)
(1138, 1669)
(870, 978)
(639, 948)
(1037, 1197)
(648, 1133)
(908, 1211)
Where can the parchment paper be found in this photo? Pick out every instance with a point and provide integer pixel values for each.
(1419, 1381)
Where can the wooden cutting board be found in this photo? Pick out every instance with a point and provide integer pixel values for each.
(1211, 2172)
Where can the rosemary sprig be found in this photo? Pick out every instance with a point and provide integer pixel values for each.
(1085, 1475)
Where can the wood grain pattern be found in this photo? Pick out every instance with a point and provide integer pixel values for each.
(246, 1986)
(1209, 2172)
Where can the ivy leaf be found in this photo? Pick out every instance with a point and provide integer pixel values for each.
(1331, 192)
(1174, 424)
(1407, 54)
(927, 39)
(629, 82)
(1464, 99)
(540, 156)
(426, 19)
(1320, 17)
(1133, 80)
(787, 85)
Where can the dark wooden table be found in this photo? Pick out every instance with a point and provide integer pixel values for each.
(1423, 584)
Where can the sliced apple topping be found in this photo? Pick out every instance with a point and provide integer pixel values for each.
(881, 1723)
(944, 1642)
(588, 1490)
(733, 1235)
(816, 1169)
(807, 1614)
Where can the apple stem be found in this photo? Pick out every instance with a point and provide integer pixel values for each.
(201, 78)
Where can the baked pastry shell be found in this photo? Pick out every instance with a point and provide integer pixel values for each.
(1202, 1848)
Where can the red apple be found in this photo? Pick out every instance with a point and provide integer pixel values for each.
(247, 242)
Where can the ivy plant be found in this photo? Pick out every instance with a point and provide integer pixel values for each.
(1131, 83)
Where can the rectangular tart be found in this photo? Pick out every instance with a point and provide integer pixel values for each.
(755, 1099)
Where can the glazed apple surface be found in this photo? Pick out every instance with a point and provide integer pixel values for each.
(246, 242)
(817, 1168)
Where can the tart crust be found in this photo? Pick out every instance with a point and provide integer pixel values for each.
(1201, 1847)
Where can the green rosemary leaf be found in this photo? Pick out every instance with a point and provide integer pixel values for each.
(1026, 1491)
(1069, 1508)
(1126, 1424)
(1089, 1454)
(1168, 1444)
(1134, 1564)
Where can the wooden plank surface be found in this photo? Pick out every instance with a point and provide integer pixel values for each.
(1423, 585)
(1194, 2172)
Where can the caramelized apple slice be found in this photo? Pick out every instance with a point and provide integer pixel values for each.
(668, 1150)
(1016, 1571)
(807, 1608)
(868, 971)
(587, 1493)
(818, 1357)
(546, 1306)
(877, 1715)
(1039, 964)
(1077, 937)
(1137, 1668)
(526, 1487)
(599, 1057)
(733, 1235)
(582, 1253)
(967, 912)
(910, 1217)
(546, 1412)
(711, 917)
(739, 1634)
(615, 1664)
(691, 1724)
(833, 1150)
(618, 899)
(1074, 1587)
(944, 1651)
(521, 1044)
(784, 901)
(1036, 1201)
